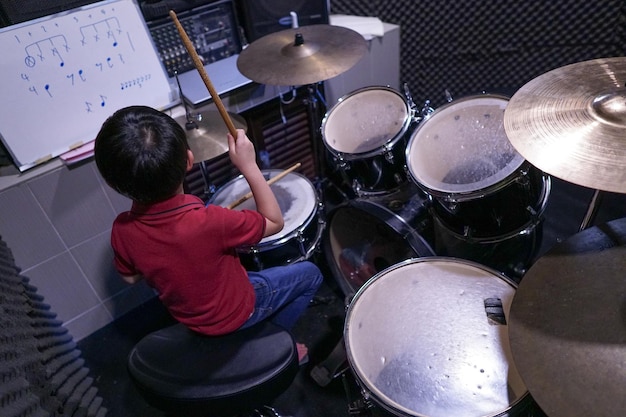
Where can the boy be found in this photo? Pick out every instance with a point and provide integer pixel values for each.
(185, 249)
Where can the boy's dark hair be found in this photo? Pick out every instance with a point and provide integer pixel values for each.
(142, 154)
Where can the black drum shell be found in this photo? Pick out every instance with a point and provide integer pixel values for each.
(503, 210)
(365, 134)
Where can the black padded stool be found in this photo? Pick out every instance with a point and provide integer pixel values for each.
(188, 374)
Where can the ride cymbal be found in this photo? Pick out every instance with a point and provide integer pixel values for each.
(567, 325)
(207, 139)
(301, 56)
(571, 123)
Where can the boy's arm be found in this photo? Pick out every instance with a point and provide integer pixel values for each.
(243, 156)
(132, 279)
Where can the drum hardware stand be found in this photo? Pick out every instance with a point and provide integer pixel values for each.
(190, 124)
(331, 367)
(426, 109)
(359, 406)
(335, 365)
(311, 101)
(592, 210)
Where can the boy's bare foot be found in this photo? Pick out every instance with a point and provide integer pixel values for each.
(302, 353)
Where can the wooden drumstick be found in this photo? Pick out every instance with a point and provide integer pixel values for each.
(205, 77)
(269, 182)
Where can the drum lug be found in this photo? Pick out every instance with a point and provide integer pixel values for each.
(300, 239)
(257, 259)
(452, 207)
(356, 187)
(523, 177)
(387, 153)
(341, 163)
(533, 213)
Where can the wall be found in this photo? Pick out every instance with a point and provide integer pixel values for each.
(57, 221)
(58, 227)
(495, 46)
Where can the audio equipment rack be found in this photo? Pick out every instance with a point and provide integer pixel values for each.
(212, 29)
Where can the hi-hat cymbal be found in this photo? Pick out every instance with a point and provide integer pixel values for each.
(571, 123)
(301, 56)
(567, 325)
(207, 139)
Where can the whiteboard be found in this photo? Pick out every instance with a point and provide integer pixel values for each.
(63, 75)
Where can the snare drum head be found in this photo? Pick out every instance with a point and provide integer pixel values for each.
(365, 120)
(426, 339)
(295, 194)
(462, 147)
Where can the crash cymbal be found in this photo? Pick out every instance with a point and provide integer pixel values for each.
(567, 325)
(301, 56)
(571, 123)
(207, 139)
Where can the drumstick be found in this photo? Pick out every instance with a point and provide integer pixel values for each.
(269, 182)
(205, 77)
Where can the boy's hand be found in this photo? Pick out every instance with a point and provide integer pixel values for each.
(241, 151)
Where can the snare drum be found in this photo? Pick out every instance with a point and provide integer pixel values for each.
(365, 132)
(366, 235)
(300, 206)
(428, 337)
(480, 185)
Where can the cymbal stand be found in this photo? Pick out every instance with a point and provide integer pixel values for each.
(592, 210)
(312, 102)
(191, 122)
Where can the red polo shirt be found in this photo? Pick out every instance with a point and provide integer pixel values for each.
(186, 251)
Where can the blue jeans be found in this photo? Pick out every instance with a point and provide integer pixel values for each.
(283, 292)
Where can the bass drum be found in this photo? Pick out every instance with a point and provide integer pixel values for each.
(429, 338)
(366, 235)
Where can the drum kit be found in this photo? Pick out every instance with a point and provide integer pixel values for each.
(437, 324)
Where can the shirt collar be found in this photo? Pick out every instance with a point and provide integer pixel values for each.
(176, 203)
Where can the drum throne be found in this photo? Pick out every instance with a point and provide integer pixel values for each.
(184, 373)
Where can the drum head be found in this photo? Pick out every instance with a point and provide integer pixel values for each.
(365, 120)
(428, 337)
(363, 238)
(462, 147)
(295, 194)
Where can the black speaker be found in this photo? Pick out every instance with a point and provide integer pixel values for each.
(18, 11)
(262, 17)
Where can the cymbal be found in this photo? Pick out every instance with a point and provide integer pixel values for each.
(303, 55)
(567, 325)
(571, 123)
(207, 139)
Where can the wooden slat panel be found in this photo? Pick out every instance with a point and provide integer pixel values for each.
(285, 143)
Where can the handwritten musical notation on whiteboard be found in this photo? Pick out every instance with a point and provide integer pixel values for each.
(63, 75)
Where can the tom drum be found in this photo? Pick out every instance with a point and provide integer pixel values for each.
(366, 134)
(483, 192)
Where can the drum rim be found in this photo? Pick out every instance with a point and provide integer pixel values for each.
(408, 120)
(400, 226)
(459, 196)
(363, 382)
(271, 244)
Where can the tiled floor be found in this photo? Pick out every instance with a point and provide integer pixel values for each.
(321, 327)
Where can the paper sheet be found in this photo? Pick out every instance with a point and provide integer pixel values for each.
(368, 27)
